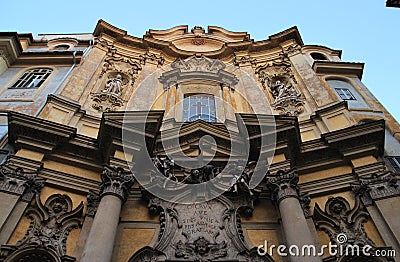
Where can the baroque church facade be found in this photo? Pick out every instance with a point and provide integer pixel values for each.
(191, 145)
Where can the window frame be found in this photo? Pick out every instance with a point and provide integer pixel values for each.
(191, 115)
(32, 78)
(345, 94)
(394, 161)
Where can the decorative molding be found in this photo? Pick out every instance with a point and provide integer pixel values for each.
(106, 102)
(283, 185)
(19, 182)
(116, 181)
(292, 50)
(50, 225)
(305, 201)
(338, 218)
(200, 250)
(244, 61)
(278, 78)
(152, 58)
(198, 40)
(198, 67)
(376, 186)
(204, 231)
(93, 200)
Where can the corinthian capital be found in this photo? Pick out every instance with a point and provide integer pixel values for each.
(376, 186)
(283, 184)
(17, 181)
(116, 181)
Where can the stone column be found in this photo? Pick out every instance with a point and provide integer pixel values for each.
(380, 195)
(114, 190)
(286, 194)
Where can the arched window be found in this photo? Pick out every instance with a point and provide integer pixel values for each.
(318, 56)
(31, 79)
(200, 106)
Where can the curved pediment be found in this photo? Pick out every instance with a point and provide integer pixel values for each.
(215, 42)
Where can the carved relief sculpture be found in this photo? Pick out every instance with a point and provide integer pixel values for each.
(121, 73)
(277, 77)
(48, 231)
(339, 218)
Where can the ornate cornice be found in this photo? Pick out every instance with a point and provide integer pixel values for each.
(180, 42)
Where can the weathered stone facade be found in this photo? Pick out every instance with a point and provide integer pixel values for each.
(190, 145)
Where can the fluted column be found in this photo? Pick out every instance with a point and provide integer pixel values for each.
(113, 192)
(286, 193)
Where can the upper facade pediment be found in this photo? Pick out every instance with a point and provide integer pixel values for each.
(213, 42)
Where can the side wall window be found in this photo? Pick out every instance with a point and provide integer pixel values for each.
(199, 106)
(395, 162)
(32, 79)
(345, 91)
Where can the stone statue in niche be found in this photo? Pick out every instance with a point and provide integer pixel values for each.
(281, 91)
(110, 98)
(114, 85)
(278, 78)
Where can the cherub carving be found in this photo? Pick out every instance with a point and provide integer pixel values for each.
(201, 249)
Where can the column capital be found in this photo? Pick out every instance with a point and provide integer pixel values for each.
(376, 186)
(19, 182)
(116, 181)
(283, 185)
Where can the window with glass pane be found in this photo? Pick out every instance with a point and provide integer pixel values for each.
(345, 94)
(33, 78)
(199, 107)
(395, 162)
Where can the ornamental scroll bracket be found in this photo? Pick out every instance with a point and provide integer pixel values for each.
(202, 231)
(339, 218)
(50, 226)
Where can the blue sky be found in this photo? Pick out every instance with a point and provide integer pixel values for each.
(366, 31)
